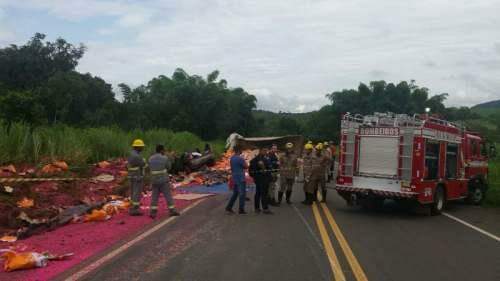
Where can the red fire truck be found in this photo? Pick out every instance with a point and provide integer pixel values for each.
(413, 158)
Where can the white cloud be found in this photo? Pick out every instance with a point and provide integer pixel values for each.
(6, 34)
(127, 13)
(290, 53)
(301, 108)
(268, 100)
(106, 31)
(134, 19)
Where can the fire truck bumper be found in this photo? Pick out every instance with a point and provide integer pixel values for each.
(376, 192)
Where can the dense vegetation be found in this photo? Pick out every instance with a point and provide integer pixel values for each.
(493, 195)
(39, 86)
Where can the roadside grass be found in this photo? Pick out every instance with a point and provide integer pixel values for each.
(76, 146)
(493, 194)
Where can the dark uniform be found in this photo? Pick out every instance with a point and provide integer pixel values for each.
(136, 165)
(260, 172)
(159, 165)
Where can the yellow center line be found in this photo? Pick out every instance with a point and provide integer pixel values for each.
(353, 262)
(332, 258)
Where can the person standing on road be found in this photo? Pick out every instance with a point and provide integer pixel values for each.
(260, 171)
(288, 172)
(273, 159)
(159, 165)
(314, 172)
(325, 165)
(238, 166)
(136, 166)
(307, 167)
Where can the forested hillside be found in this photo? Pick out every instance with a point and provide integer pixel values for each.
(39, 86)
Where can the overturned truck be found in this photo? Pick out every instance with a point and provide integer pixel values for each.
(260, 142)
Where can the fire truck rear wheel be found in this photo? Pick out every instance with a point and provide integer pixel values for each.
(476, 193)
(439, 201)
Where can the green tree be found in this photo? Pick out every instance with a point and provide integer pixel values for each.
(435, 103)
(31, 65)
(20, 107)
(382, 97)
(77, 99)
(192, 103)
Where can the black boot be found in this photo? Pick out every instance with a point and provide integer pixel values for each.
(174, 213)
(308, 200)
(324, 196)
(305, 198)
(134, 211)
(153, 213)
(280, 197)
(288, 196)
(273, 202)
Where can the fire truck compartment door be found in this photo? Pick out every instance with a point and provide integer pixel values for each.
(378, 156)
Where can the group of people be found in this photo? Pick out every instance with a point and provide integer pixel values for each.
(269, 169)
(318, 163)
(159, 165)
(269, 166)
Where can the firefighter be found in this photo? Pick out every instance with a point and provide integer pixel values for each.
(273, 159)
(136, 166)
(314, 172)
(288, 165)
(325, 164)
(159, 165)
(307, 163)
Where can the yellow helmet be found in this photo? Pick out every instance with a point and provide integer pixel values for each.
(308, 146)
(138, 143)
(319, 146)
(289, 145)
(325, 144)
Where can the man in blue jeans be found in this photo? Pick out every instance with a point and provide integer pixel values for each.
(238, 166)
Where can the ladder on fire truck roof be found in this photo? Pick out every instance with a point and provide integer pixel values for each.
(392, 120)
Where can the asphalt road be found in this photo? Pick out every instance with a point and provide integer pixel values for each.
(390, 244)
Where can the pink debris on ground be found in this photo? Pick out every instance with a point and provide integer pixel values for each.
(83, 239)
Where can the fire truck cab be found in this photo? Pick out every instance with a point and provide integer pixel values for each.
(417, 158)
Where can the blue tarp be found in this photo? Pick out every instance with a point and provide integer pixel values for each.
(216, 189)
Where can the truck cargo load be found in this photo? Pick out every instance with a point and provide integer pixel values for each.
(259, 142)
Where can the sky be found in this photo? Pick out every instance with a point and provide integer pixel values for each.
(288, 53)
